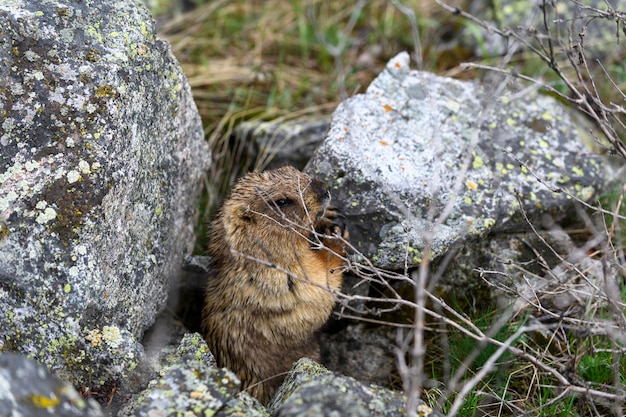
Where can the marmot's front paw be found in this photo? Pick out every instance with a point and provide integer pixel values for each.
(332, 218)
(335, 236)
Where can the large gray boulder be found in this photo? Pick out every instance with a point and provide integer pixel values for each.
(421, 161)
(101, 152)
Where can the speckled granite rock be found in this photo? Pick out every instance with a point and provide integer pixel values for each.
(422, 157)
(101, 152)
(29, 389)
(312, 390)
(191, 385)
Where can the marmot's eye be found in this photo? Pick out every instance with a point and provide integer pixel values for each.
(282, 202)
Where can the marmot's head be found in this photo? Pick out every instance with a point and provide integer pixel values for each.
(270, 206)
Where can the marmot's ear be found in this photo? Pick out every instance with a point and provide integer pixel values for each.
(244, 213)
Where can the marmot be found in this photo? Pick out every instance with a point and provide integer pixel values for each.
(272, 276)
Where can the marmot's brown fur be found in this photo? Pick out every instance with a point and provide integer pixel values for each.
(270, 289)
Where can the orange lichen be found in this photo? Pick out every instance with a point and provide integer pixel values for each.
(471, 184)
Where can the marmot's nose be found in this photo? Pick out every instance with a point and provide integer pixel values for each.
(320, 189)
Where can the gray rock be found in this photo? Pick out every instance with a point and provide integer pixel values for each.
(421, 160)
(312, 390)
(280, 143)
(30, 389)
(366, 354)
(566, 21)
(101, 151)
(190, 384)
(528, 268)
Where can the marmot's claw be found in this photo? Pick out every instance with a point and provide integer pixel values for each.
(332, 227)
(332, 213)
(332, 224)
(345, 234)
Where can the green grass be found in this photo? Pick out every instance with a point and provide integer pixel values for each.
(599, 368)
(516, 385)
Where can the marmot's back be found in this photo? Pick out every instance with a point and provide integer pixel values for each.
(270, 287)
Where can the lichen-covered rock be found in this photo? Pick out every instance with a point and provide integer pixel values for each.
(276, 144)
(424, 159)
(312, 390)
(101, 152)
(30, 389)
(191, 385)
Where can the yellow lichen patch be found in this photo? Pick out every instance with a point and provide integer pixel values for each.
(546, 115)
(489, 222)
(543, 143)
(578, 171)
(563, 180)
(42, 401)
(478, 162)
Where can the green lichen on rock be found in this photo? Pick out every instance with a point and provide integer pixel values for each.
(190, 385)
(101, 149)
(312, 390)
